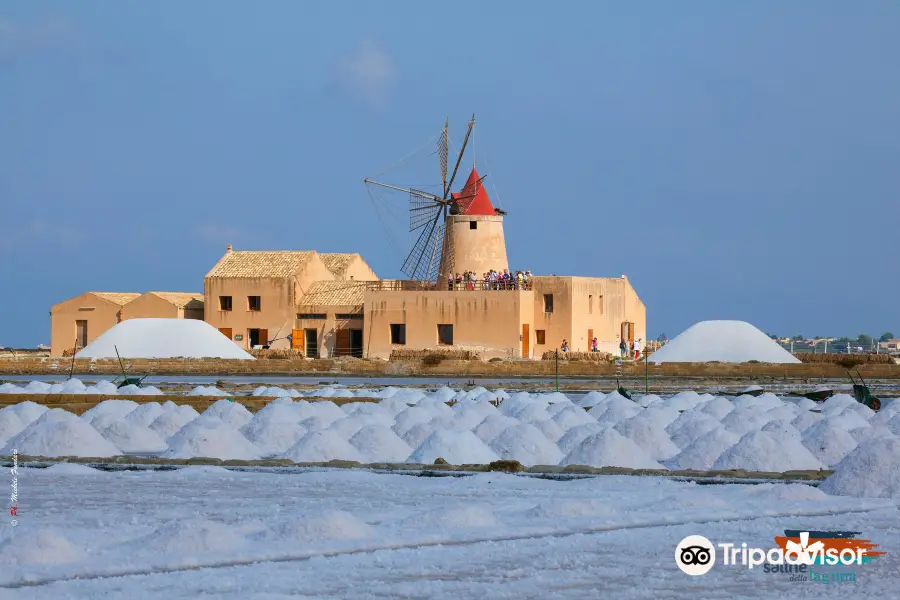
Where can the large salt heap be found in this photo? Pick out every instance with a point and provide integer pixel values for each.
(163, 338)
(722, 341)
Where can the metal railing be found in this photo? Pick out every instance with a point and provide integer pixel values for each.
(477, 285)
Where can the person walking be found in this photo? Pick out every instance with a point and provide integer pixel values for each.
(637, 348)
(564, 346)
(594, 347)
(623, 347)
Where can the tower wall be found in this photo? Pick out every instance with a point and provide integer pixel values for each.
(467, 249)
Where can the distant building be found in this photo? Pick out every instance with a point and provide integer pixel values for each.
(890, 346)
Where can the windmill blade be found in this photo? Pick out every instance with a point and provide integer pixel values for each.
(421, 215)
(418, 261)
(435, 258)
(443, 153)
(459, 160)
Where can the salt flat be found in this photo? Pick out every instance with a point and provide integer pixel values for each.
(334, 533)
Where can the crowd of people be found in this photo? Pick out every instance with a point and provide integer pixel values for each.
(626, 348)
(492, 280)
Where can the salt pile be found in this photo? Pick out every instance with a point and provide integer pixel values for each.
(163, 338)
(456, 446)
(526, 444)
(377, 443)
(722, 341)
(870, 471)
(702, 453)
(828, 442)
(322, 446)
(765, 451)
(610, 449)
(211, 439)
(60, 437)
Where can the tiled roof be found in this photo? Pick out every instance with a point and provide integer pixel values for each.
(181, 299)
(334, 293)
(261, 263)
(120, 298)
(337, 263)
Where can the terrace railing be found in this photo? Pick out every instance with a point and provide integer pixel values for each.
(479, 285)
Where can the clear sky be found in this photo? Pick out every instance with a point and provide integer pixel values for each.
(737, 160)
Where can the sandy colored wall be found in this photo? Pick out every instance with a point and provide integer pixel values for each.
(489, 321)
(359, 270)
(277, 306)
(477, 250)
(558, 324)
(620, 303)
(327, 329)
(100, 315)
(149, 306)
(314, 270)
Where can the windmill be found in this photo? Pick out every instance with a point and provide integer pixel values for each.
(428, 210)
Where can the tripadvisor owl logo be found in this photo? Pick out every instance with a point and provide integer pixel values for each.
(695, 555)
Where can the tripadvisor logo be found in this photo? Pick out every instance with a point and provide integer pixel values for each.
(696, 555)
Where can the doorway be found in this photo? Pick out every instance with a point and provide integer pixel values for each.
(226, 331)
(257, 337)
(356, 343)
(81, 333)
(628, 332)
(526, 340)
(590, 340)
(311, 341)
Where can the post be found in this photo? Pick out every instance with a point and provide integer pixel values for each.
(557, 370)
(646, 373)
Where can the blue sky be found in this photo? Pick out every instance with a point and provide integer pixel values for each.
(734, 159)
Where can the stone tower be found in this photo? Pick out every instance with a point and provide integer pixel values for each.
(473, 233)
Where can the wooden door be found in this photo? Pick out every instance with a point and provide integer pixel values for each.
(342, 342)
(81, 333)
(590, 339)
(628, 332)
(297, 339)
(526, 340)
(226, 331)
(263, 337)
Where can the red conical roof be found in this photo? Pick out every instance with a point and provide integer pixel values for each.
(473, 198)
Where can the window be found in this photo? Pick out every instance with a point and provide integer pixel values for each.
(445, 335)
(590, 304)
(473, 224)
(340, 316)
(254, 303)
(548, 303)
(318, 316)
(540, 336)
(600, 304)
(224, 302)
(398, 333)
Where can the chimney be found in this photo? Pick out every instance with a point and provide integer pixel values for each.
(228, 248)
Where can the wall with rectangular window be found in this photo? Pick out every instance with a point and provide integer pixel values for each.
(312, 316)
(548, 303)
(254, 303)
(540, 336)
(398, 333)
(224, 302)
(445, 334)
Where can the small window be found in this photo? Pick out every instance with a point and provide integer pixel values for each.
(313, 316)
(473, 224)
(224, 302)
(548, 303)
(600, 304)
(445, 335)
(540, 336)
(340, 316)
(398, 333)
(254, 303)
(590, 304)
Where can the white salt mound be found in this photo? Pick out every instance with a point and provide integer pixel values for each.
(324, 525)
(377, 443)
(722, 341)
(828, 442)
(211, 439)
(492, 426)
(322, 446)
(456, 446)
(764, 451)
(526, 444)
(870, 471)
(649, 436)
(168, 423)
(702, 453)
(67, 437)
(41, 547)
(163, 338)
(609, 448)
(134, 438)
(574, 436)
